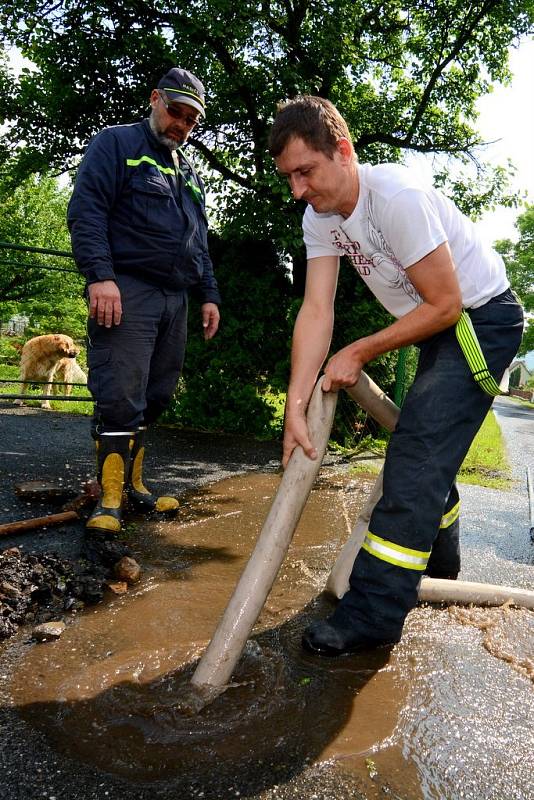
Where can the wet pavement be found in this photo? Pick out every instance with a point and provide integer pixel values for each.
(448, 713)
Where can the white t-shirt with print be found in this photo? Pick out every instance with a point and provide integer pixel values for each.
(396, 222)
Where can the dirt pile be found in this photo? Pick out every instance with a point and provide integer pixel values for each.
(38, 587)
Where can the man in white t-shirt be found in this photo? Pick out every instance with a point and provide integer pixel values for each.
(425, 262)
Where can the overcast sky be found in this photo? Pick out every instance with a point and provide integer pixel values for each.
(507, 118)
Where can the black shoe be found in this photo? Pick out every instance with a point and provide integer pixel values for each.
(325, 638)
(447, 576)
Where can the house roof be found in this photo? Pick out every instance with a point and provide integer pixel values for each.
(520, 362)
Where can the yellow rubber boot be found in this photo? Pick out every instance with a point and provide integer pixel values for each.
(113, 458)
(142, 498)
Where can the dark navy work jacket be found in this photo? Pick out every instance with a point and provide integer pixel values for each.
(132, 212)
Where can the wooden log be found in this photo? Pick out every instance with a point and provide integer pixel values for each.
(37, 522)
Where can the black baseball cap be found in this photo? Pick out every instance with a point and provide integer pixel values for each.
(181, 86)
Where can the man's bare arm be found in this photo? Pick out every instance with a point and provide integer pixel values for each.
(311, 341)
(434, 277)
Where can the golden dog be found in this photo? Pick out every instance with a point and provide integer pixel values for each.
(49, 358)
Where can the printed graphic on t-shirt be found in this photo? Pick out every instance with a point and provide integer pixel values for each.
(385, 259)
(378, 265)
(352, 251)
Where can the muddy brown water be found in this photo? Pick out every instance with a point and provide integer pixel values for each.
(447, 713)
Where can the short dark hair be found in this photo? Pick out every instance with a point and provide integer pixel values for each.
(315, 120)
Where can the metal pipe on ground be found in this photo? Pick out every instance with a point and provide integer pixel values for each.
(58, 397)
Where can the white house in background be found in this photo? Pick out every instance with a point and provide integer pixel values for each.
(519, 373)
(14, 326)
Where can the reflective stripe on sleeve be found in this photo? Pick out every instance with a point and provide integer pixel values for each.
(451, 516)
(394, 553)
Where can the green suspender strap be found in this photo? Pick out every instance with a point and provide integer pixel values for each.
(467, 338)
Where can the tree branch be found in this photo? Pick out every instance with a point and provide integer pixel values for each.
(217, 165)
(406, 143)
(438, 70)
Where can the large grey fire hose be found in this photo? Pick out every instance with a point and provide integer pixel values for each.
(439, 590)
(223, 652)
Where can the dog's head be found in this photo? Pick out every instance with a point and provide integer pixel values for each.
(65, 345)
(50, 346)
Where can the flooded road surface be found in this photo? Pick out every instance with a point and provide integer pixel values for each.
(447, 713)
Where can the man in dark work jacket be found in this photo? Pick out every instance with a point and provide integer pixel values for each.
(139, 236)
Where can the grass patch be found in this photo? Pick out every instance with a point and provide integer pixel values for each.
(9, 371)
(367, 444)
(486, 463)
(366, 467)
(520, 401)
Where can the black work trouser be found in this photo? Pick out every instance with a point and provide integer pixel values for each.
(444, 561)
(134, 366)
(440, 417)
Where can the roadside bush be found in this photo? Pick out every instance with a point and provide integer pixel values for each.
(69, 319)
(10, 347)
(227, 382)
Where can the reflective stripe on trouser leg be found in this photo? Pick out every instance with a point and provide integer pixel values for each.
(450, 517)
(404, 557)
(387, 577)
(444, 561)
(441, 414)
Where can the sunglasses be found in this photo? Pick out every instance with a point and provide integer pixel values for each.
(176, 113)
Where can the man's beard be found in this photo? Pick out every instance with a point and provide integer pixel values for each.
(172, 144)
